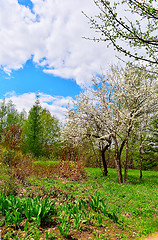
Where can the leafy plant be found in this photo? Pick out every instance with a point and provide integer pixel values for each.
(77, 219)
(95, 203)
(8, 183)
(113, 217)
(64, 227)
(87, 216)
(99, 219)
(15, 210)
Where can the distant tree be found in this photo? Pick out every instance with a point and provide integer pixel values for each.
(51, 132)
(130, 26)
(152, 139)
(41, 131)
(33, 129)
(3, 114)
(9, 116)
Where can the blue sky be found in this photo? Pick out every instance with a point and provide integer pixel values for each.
(31, 78)
(43, 51)
(26, 3)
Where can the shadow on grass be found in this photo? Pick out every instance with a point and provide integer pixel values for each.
(149, 177)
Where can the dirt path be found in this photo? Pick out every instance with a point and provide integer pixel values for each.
(154, 236)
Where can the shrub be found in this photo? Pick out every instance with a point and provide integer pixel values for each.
(71, 165)
(6, 155)
(23, 167)
(8, 184)
(42, 171)
(11, 137)
(72, 170)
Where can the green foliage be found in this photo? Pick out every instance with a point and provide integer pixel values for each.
(6, 155)
(32, 130)
(124, 209)
(41, 131)
(64, 227)
(9, 116)
(51, 133)
(15, 210)
(46, 163)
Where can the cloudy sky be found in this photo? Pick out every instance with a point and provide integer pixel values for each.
(43, 51)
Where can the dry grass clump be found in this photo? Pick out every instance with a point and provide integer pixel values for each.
(74, 171)
(71, 165)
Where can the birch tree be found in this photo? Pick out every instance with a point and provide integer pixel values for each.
(108, 111)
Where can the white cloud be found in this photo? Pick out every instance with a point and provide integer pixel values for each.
(56, 105)
(54, 33)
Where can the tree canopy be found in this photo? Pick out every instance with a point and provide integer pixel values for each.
(131, 26)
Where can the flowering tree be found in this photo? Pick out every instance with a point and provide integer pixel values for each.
(109, 110)
(130, 26)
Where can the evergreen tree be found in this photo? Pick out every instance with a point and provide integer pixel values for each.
(33, 130)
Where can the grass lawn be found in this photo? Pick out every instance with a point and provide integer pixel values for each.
(96, 207)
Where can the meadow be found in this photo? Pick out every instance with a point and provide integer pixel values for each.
(94, 207)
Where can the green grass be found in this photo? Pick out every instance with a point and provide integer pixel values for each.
(46, 163)
(134, 204)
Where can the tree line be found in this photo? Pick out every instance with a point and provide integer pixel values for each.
(37, 134)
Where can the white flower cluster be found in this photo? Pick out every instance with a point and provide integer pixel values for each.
(112, 106)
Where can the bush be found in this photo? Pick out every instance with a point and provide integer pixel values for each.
(71, 164)
(11, 137)
(71, 170)
(44, 170)
(23, 167)
(6, 155)
(8, 184)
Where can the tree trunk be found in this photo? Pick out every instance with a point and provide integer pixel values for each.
(118, 168)
(131, 163)
(141, 156)
(126, 164)
(141, 175)
(103, 150)
(105, 172)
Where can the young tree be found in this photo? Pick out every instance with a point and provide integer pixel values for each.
(33, 129)
(3, 113)
(41, 131)
(130, 26)
(51, 132)
(9, 116)
(109, 110)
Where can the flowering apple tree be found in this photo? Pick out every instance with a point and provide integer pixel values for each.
(109, 110)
